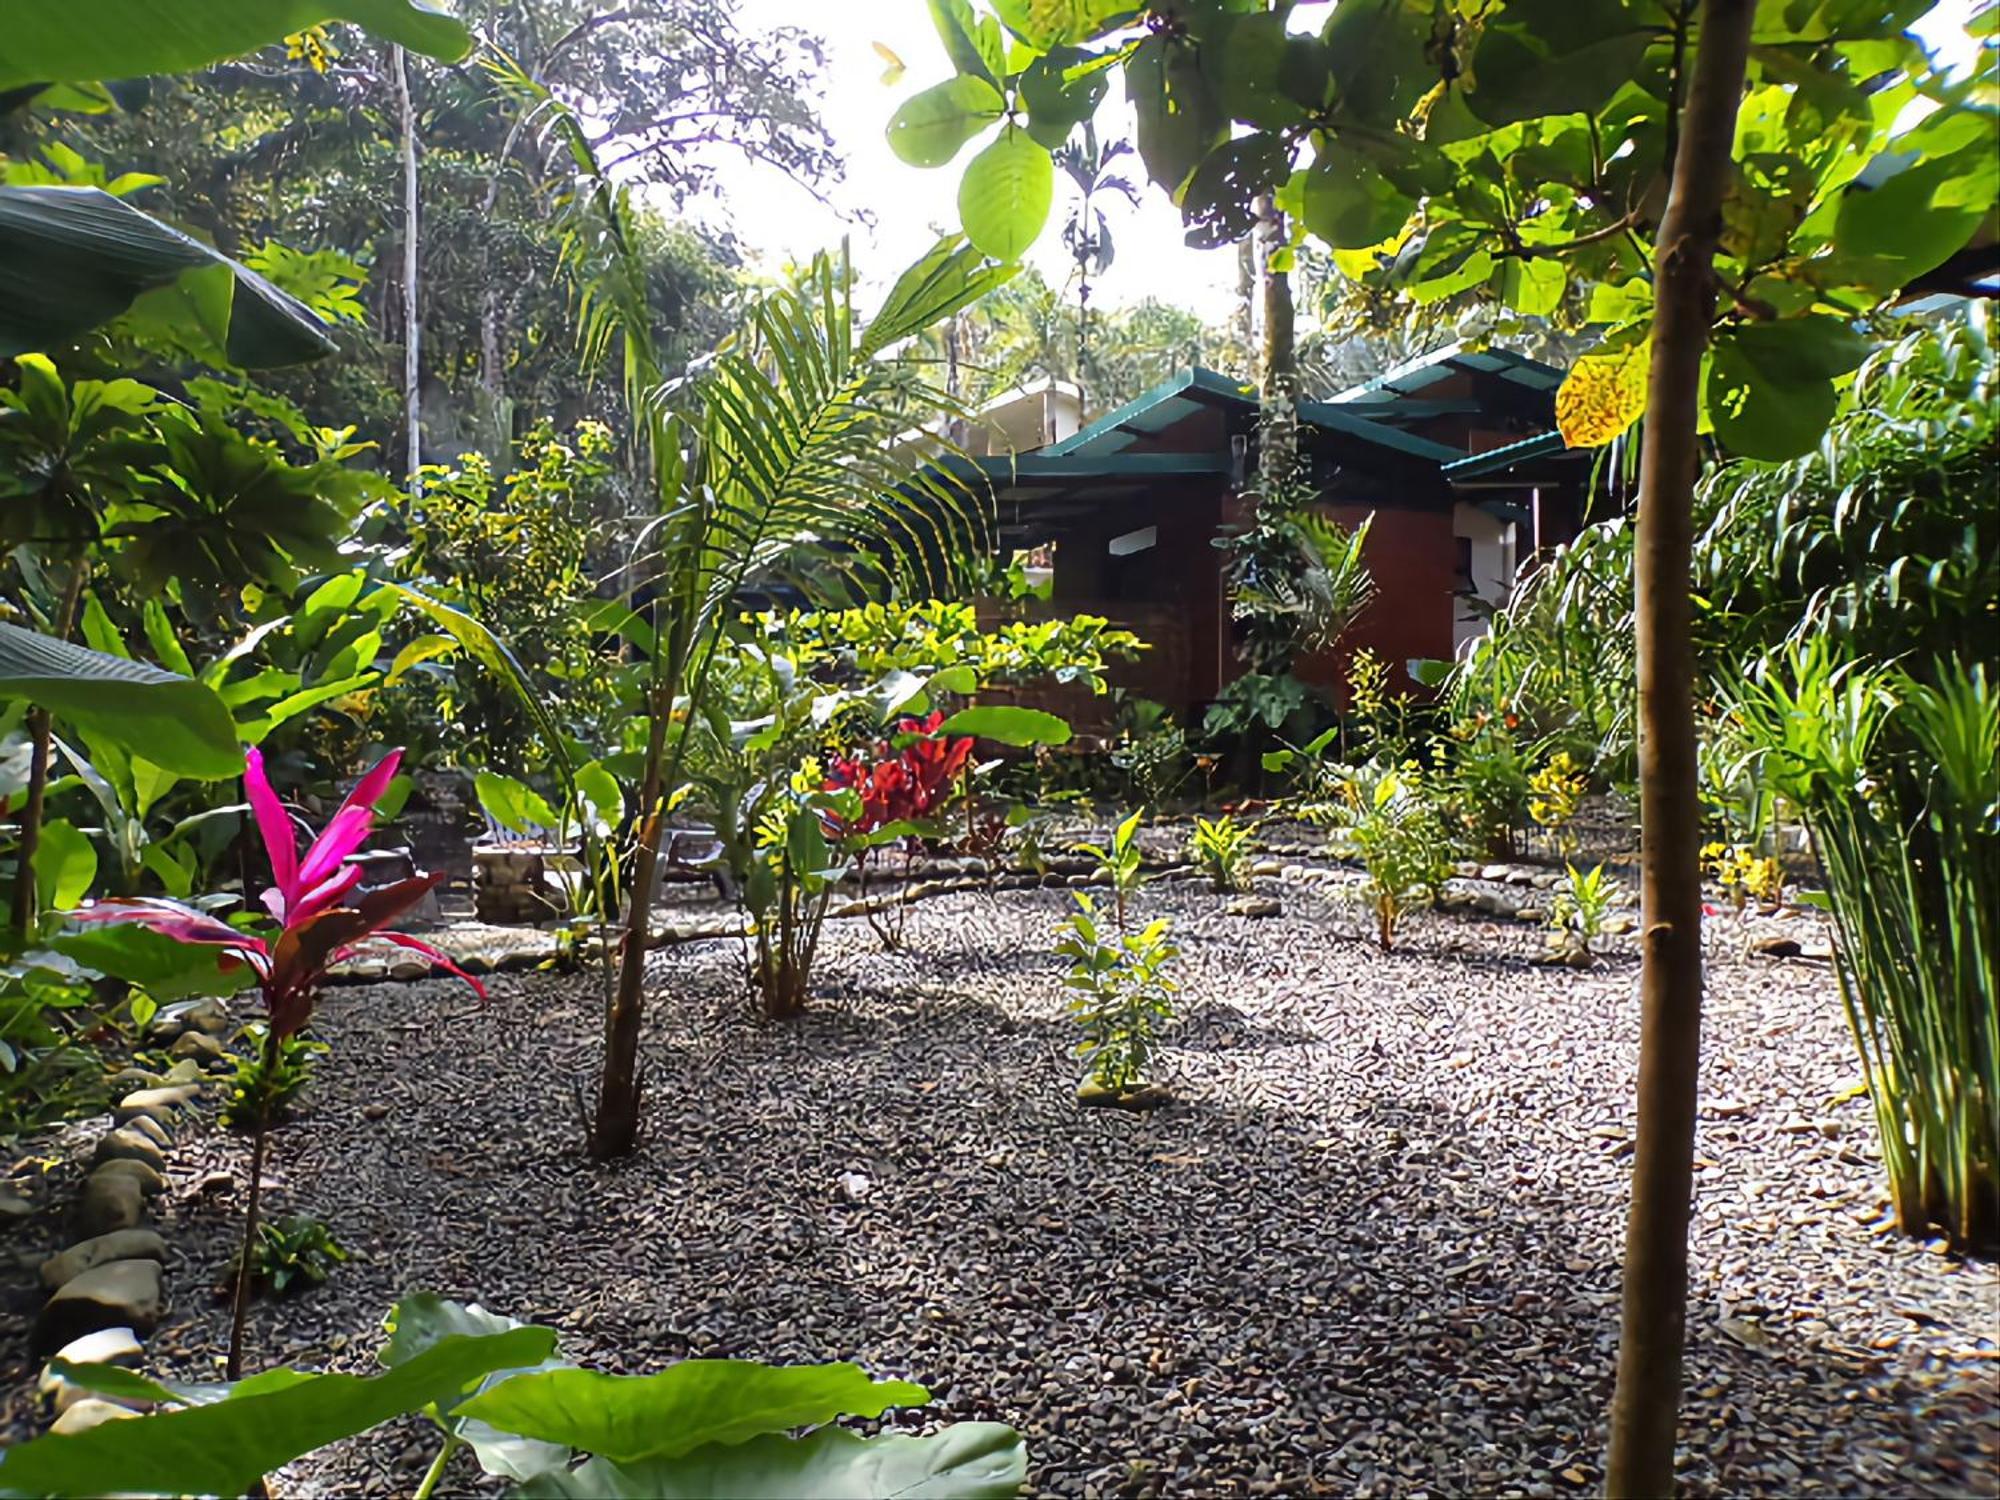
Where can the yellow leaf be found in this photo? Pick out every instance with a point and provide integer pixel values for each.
(1603, 395)
(893, 73)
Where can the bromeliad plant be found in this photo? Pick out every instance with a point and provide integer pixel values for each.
(1391, 819)
(319, 917)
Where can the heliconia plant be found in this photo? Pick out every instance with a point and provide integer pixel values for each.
(317, 927)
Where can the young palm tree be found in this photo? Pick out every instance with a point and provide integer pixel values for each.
(774, 457)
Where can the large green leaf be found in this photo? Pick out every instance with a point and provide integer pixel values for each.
(1178, 121)
(74, 41)
(1005, 195)
(1046, 24)
(74, 257)
(65, 864)
(422, 1321)
(629, 1418)
(1555, 57)
(929, 127)
(968, 1461)
(1347, 201)
(1009, 725)
(179, 724)
(223, 1448)
(163, 967)
(1770, 391)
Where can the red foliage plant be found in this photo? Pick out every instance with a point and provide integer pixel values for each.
(902, 785)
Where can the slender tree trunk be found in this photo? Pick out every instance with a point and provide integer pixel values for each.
(413, 407)
(40, 734)
(1645, 1410)
(616, 1129)
(1278, 369)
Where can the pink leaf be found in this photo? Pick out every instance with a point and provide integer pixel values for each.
(273, 822)
(349, 827)
(417, 945)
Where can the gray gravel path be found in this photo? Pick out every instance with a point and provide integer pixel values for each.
(1372, 1249)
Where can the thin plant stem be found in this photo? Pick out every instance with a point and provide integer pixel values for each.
(245, 1273)
(452, 1443)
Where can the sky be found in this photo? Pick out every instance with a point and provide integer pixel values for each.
(910, 206)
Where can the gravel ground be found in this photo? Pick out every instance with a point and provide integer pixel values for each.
(1371, 1249)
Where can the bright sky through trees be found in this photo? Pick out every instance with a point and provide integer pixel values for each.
(909, 206)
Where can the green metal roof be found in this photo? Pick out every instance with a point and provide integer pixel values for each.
(1413, 375)
(1191, 390)
(1048, 465)
(1542, 445)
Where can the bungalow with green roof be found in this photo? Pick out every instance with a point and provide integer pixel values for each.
(1454, 457)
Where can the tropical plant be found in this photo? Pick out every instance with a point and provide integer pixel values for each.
(1490, 787)
(1584, 900)
(495, 1388)
(293, 1252)
(1391, 819)
(316, 928)
(1121, 863)
(904, 783)
(1152, 750)
(1556, 793)
(1221, 849)
(772, 457)
(269, 1079)
(1898, 779)
(1119, 992)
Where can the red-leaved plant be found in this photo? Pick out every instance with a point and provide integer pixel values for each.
(317, 927)
(900, 786)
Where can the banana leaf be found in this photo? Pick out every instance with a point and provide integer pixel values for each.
(74, 257)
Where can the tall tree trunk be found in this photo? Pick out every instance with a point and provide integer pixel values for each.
(413, 407)
(40, 735)
(1278, 368)
(1645, 1410)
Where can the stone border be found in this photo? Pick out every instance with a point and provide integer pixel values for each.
(107, 1289)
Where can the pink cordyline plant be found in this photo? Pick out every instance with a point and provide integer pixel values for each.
(317, 928)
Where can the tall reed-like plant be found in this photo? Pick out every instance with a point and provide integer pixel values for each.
(1898, 779)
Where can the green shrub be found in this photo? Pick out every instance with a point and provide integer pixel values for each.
(1584, 900)
(1221, 848)
(1391, 819)
(257, 1091)
(1120, 992)
(294, 1252)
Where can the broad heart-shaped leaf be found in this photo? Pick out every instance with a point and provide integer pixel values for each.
(1219, 206)
(1004, 197)
(967, 1461)
(1008, 724)
(225, 1447)
(929, 127)
(72, 258)
(1770, 387)
(1058, 103)
(1555, 57)
(179, 723)
(959, 32)
(514, 804)
(423, 1320)
(1604, 394)
(1918, 218)
(1347, 201)
(629, 1418)
(75, 41)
